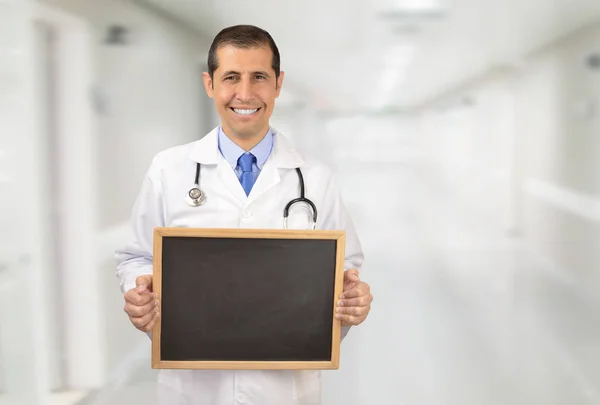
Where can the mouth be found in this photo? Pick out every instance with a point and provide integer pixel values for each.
(244, 112)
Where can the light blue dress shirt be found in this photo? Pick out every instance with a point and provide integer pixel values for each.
(232, 152)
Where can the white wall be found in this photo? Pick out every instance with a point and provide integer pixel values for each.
(147, 96)
(560, 155)
(302, 125)
(149, 92)
(466, 142)
(523, 154)
(23, 347)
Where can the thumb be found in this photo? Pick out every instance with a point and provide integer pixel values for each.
(351, 275)
(143, 282)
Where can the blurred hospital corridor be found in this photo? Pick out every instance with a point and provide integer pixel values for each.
(465, 139)
(462, 315)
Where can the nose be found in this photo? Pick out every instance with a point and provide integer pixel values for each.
(245, 90)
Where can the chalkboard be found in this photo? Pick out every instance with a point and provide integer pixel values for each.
(247, 299)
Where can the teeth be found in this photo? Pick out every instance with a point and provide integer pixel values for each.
(245, 112)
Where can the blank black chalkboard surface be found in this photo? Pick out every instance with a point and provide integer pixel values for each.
(247, 299)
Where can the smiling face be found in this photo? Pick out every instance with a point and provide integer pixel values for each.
(244, 88)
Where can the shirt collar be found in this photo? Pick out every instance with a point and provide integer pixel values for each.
(232, 152)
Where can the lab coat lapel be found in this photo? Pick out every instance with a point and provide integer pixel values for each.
(283, 156)
(230, 180)
(268, 178)
(206, 152)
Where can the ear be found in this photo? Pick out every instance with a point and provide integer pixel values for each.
(279, 83)
(208, 84)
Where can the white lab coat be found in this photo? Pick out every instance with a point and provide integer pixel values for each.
(161, 202)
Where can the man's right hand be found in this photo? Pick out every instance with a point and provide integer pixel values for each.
(141, 304)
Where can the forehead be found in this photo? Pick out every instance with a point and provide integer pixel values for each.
(244, 59)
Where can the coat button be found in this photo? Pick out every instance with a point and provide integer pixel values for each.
(247, 214)
(240, 398)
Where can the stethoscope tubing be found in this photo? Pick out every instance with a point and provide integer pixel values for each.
(196, 197)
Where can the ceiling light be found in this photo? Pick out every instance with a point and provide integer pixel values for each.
(413, 10)
(418, 4)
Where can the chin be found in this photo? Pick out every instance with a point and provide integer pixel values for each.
(247, 132)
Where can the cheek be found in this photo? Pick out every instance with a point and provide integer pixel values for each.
(222, 96)
(267, 94)
(268, 99)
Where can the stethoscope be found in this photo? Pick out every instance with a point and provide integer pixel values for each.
(197, 197)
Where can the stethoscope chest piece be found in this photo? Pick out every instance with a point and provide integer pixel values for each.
(196, 197)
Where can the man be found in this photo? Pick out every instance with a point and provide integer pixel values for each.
(248, 172)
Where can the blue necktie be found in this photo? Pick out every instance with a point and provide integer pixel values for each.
(245, 162)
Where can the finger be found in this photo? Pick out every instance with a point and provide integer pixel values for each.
(143, 283)
(354, 311)
(358, 291)
(349, 319)
(138, 311)
(133, 297)
(352, 293)
(351, 276)
(356, 302)
(143, 321)
(149, 327)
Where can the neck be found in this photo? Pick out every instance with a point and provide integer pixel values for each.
(246, 142)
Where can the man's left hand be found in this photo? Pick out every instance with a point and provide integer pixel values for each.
(355, 302)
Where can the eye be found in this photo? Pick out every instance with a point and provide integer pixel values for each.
(260, 77)
(229, 78)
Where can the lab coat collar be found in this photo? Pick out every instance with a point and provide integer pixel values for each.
(284, 154)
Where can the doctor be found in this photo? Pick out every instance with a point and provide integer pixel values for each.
(247, 172)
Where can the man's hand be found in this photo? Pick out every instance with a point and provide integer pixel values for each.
(141, 304)
(355, 302)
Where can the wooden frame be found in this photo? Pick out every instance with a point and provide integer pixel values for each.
(338, 236)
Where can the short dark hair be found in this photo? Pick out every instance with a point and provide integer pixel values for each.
(242, 36)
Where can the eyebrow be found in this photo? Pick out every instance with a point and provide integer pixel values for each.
(233, 72)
